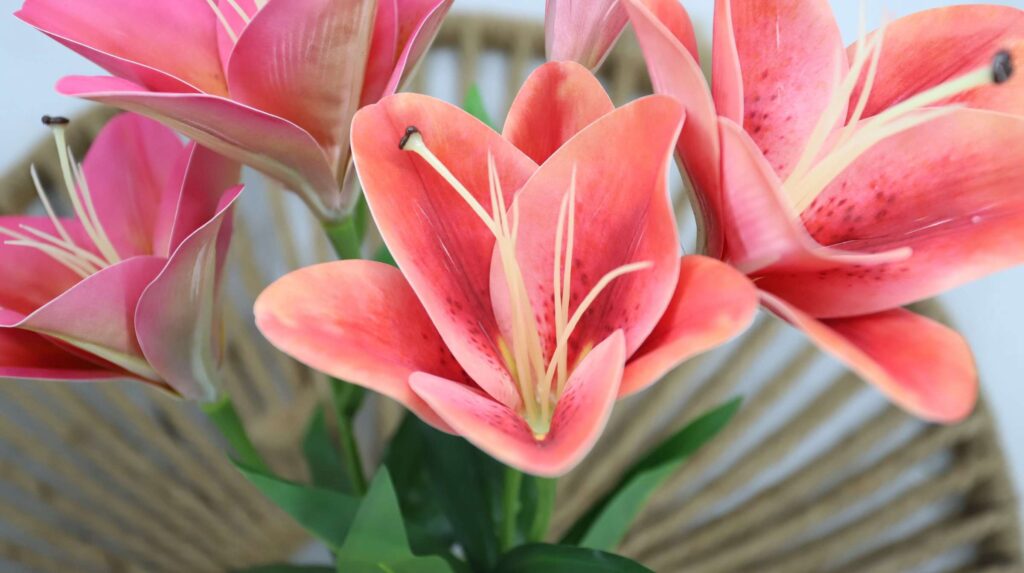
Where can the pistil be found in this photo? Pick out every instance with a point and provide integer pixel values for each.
(541, 380)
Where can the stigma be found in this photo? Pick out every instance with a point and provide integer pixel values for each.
(540, 374)
(827, 155)
(62, 247)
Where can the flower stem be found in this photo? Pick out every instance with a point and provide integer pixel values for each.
(545, 507)
(225, 416)
(347, 400)
(344, 237)
(510, 508)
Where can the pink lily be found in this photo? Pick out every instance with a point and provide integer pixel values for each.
(128, 287)
(582, 31)
(270, 83)
(850, 182)
(529, 297)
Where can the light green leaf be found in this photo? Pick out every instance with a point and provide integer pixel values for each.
(608, 522)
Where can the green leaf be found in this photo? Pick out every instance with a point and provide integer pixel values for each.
(324, 513)
(473, 103)
(542, 558)
(286, 569)
(322, 455)
(449, 492)
(376, 540)
(604, 526)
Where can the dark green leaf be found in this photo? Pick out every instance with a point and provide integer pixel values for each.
(322, 455)
(376, 541)
(325, 513)
(473, 103)
(542, 558)
(286, 569)
(604, 526)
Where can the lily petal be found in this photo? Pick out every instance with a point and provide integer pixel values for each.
(676, 72)
(383, 52)
(418, 24)
(225, 41)
(556, 102)
(949, 190)
(792, 58)
(176, 322)
(31, 277)
(304, 60)
(162, 44)
(128, 168)
(28, 355)
(98, 314)
(197, 194)
(623, 216)
(268, 143)
(578, 421)
(918, 363)
(763, 234)
(927, 48)
(582, 31)
(443, 248)
(726, 75)
(713, 303)
(358, 321)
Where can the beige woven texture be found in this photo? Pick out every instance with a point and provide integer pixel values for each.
(816, 473)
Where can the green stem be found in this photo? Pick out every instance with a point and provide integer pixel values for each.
(347, 400)
(510, 508)
(545, 507)
(344, 237)
(225, 416)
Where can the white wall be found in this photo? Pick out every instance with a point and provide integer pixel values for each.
(990, 312)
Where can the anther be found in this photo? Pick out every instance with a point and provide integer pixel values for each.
(55, 120)
(409, 132)
(1002, 67)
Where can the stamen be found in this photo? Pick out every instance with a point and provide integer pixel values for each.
(531, 372)
(46, 205)
(238, 10)
(72, 249)
(76, 186)
(223, 21)
(1002, 67)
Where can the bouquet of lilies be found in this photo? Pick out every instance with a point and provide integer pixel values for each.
(528, 277)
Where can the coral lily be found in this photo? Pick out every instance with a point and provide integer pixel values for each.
(539, 270)
(126, 288)
(270, 83)
(582, 31)
(850, 182)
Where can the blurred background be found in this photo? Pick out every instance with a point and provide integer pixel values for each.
(987, 312)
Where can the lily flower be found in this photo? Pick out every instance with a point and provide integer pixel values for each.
(848, 183)
(128, 286)
(582, 31)
(527, 298)
(270, 83)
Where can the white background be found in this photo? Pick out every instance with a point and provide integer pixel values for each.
(989, 312)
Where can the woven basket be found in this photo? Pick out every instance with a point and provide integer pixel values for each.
(816, 473)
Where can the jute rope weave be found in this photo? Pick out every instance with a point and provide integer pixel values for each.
(817, 472)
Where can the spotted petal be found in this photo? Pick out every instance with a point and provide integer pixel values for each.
(949, 190)
(361, 322)
(578, 421)
(443, 248)
(919, 364)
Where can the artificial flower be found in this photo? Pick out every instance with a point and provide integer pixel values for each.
(850, 182)
(128, 287)
(270, 83)
(582, 31)
(538, 278)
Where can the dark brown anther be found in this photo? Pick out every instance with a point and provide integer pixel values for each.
(409, 131)
(1002, 67)
(55, 120)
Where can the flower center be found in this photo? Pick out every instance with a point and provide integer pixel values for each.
(540, 379)
(815, 170)
(62, 247)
